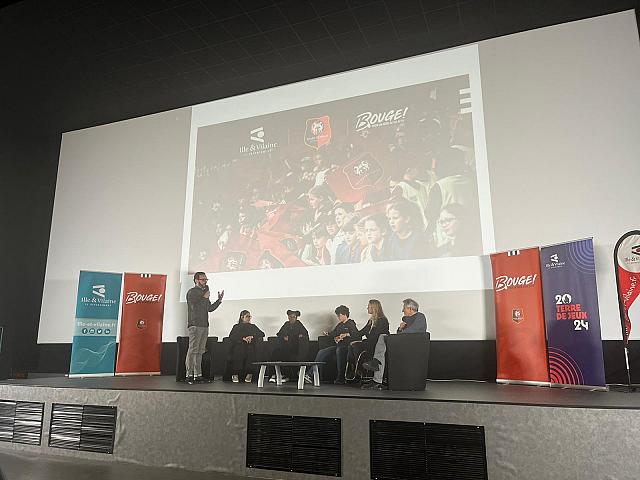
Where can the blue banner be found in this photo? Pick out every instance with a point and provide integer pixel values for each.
(572, 317)
(94, 338)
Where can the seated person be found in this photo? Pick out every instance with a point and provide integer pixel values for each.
(293, 343)
(377, 324)
(413, 321)
(343, 333)
(243, 349)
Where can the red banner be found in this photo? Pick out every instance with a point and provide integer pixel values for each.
(521, 345)
(141, 324)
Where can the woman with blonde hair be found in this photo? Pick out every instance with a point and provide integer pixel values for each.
(376, 325)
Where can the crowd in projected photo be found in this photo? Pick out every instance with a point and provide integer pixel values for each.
(380, 177)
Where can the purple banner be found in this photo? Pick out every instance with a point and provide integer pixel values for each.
(572, 318)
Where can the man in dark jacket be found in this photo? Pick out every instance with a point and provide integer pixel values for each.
(412, 321)
(198, 308)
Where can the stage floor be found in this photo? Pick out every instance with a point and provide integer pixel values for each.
(456, 391)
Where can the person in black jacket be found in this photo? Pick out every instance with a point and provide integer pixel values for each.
(293, 342)
(243, 351)
(343, 334)
(377, 325)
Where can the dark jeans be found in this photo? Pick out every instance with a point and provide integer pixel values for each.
(328, 354)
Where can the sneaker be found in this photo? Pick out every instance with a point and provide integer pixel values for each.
(198, 379)
(339, 381)
(372, 365)
(285, 379)
(235, 379)
(273, 379)
(248, 378)
(374, 386)
(307, 378)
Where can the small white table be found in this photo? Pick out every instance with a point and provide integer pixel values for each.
(303, 370)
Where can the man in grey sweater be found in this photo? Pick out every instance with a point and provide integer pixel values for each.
(198, 308)
(413, 321)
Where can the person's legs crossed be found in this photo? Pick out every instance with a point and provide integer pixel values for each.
(379, 355)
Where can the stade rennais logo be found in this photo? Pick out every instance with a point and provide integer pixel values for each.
(517, 315)
(318, 132)
(259, 143)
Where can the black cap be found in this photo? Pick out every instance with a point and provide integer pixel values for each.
(293, 312)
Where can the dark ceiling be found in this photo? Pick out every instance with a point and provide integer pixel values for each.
(75, 63)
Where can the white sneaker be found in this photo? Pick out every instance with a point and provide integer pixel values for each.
(248, 378)
(285, 379)
(307, 378)
(235, 379)
(272, 379)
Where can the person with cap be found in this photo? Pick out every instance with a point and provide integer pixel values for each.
(293, 342)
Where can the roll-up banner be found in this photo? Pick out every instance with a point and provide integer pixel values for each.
(141, 324)
(520, 339)
(570, 298)
(628, 279)
(627, 268)
(94, 339)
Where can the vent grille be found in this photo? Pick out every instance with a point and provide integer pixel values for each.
(21, 422)
(413, 450)
(295, 444)
(455, 451)
(90, 428)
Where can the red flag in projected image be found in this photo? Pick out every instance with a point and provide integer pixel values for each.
(278, 251)
(318, 132)
(283, 218)
(353, 181)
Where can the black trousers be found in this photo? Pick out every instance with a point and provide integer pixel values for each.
(241, 356)
(291, 352)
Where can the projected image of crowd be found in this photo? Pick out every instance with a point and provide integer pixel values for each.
(412, 194)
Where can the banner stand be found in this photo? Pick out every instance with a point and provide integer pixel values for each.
(531, 383)
(591, 388)
(140, 348)
(626, 265)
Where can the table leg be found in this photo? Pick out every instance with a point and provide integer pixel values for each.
(278, 375)
(316, 376)
(263, 369)
(301, 373)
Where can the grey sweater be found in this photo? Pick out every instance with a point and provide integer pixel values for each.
(416, 323)
(198, 308)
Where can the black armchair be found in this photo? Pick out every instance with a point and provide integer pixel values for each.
(408, 361)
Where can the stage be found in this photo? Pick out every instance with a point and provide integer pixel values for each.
(530, 432)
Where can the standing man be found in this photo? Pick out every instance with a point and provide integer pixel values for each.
(412, 321)
(198, 308)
